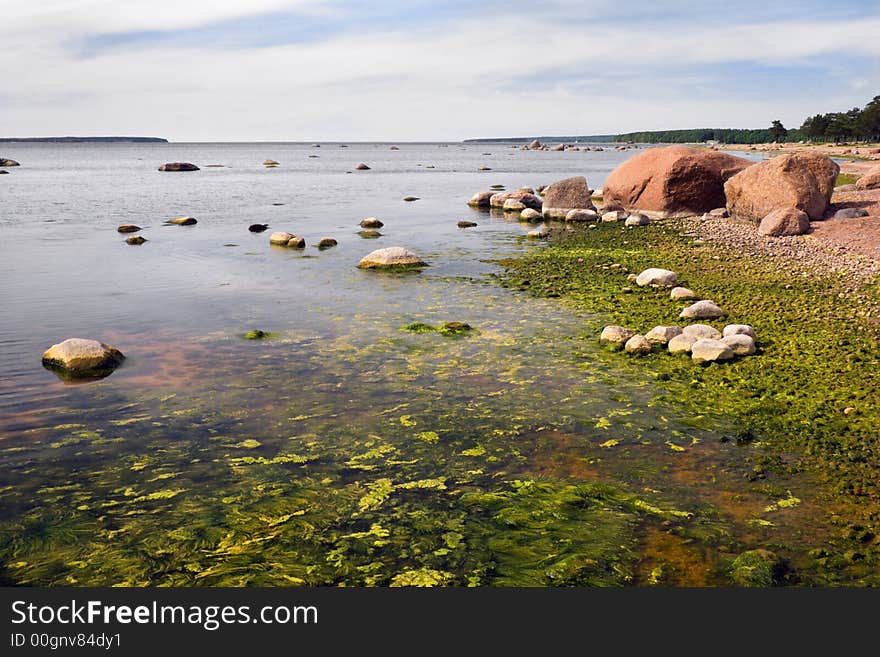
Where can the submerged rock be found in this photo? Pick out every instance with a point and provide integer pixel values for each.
(178, 166)
(256, 334)
(369, 234)
(616, 336)
(128, 228)
(182, 221)
(455, 328)
(81, 357)
(709, 351)
(393, 257)
(656, 276)
(702, 310)
(757, 568)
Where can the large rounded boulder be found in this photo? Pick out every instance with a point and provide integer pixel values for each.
(804, 181)
(672, 180)
(566, 195)
(871, 180)
(82, 358)
(393, 257)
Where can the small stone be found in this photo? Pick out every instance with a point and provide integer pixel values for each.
(702, 310)
(270, 163)
(739, 329)
(741, 344)
(128, 228)
(616, 336)
(681, 344)
(848, 410)
(537, 234)
(410, 198)
(581, 214)
(700, 331)
(626, 290)
(682, 294)
(719, 212)
(629, 277)
(178, 166)
(182, 221)
(654, 276)
(709, 351)
(637, 220)
(614, 216)
(466, 224)
(662, 334)
(850, 213)
(637, 345)
(371, 222)
(135, 240)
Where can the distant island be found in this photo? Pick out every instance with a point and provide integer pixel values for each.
(78, 140)
(602, 139)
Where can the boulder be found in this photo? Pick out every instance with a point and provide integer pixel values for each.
(784, 221)
(80, 357)
(870, 180)
(371, 222)
(709, 351)
(741, 344)
(280, 238)
(393, 257)
(270, 163)
(739, 329)
(531, 215)
(616, 336)
(182, 221)
(534, 144)
(682, 294)
(804, 181)
(702, 310)
(700, 331)
(362, 167)
(513, 205)
(672, 180)
(681, 344)
(135, 240)
(5, 162)
(564, 195)
(537, 234)
(327, 243)
(128, 228)
(655, 276)
(558, 147)
(613, 216)
(637, 220)
(850, 213)
(178, 166)
(637, 345)
(481, 199)
(528, 200)
(578, 214)
(258, 228)
(662, 334)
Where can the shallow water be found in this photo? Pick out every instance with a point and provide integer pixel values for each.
(344, 449)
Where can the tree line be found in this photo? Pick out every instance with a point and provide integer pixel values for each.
(858, 124)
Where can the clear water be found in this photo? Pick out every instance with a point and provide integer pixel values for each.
(344, 449)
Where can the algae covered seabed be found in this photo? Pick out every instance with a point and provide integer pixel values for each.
(353, 445)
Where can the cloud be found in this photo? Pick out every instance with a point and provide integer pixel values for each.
(446, 75)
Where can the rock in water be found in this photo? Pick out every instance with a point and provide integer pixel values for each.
(4, 162)
(513, 205)
(369, 234)
(393, 257)
(135, 240)
(804, 181)
(362, 167)
(528, 199)
(655, 276)
(270, 163)
(672, 180)
(615, 336)
(327, 243)
(565, 195)
(82, 358)
(258, 228)
(280, 238)
(178, 166)
(700, 331)
(530, 215)
(371, 222)
(481, 199)
(702, 310)
(741, 344)
(182, 221)
(783, 222)
(410, 198)
(709, 351)
(637, 345)
(467, 224)
(128, 228)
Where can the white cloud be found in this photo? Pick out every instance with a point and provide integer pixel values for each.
(473, 78)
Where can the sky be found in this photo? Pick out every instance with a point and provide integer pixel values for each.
(417, 70)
